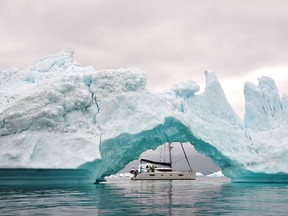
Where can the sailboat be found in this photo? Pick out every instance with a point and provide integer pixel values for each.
(155, 170)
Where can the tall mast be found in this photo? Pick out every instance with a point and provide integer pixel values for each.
(170, 155)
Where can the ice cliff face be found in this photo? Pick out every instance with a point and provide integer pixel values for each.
(56, 114)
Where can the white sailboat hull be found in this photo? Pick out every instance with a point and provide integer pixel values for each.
(165, 176)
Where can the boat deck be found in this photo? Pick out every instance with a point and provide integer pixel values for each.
(165, 176)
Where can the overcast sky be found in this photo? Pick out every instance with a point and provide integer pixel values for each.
(170, 40)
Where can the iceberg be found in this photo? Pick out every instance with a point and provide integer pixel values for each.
(199, 174)
(217, 174)
(56, 114)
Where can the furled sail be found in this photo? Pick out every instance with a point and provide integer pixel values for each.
(156, 162)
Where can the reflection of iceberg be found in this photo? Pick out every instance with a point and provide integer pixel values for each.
(56, 114)
(44, 176)
(205, 196)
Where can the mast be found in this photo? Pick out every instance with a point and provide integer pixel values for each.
(186, 157)
(170, 155)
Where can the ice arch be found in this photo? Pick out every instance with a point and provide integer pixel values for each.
(56, 114)
(119, 151)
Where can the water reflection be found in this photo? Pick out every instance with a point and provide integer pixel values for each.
(205, 196)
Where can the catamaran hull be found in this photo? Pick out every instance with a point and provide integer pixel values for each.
(166, 176)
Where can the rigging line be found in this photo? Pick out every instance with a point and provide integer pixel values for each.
(186, 156)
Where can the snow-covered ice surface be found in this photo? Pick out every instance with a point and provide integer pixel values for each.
(217, 174)
(56, 114)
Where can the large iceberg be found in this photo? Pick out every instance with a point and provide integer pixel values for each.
(56, 114)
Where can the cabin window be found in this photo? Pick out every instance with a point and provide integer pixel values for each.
(152, 175)
(171, 175)
(180, 174)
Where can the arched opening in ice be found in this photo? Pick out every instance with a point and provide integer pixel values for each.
(119, 151)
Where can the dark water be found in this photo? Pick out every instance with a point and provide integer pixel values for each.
(204, 196)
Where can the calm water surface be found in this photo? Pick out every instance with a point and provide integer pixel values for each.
(204, 196)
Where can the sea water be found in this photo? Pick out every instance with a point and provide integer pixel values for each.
(121, 196)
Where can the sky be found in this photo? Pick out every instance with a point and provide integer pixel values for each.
(170, 40)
